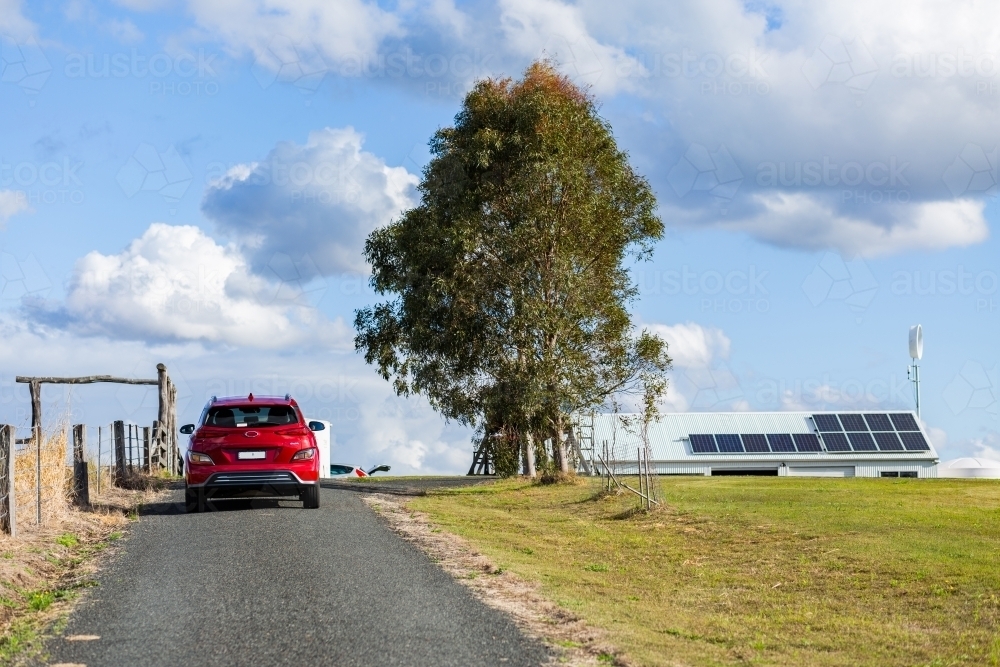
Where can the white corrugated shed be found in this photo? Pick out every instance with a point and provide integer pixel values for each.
(671, 449)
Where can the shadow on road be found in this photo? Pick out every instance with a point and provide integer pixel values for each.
(409, 486)
(175, 505)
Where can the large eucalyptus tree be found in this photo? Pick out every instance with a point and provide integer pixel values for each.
(509, 283)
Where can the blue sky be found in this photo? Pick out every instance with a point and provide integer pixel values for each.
(192, 184)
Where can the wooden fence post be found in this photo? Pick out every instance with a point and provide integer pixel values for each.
(35, 389)
(174, 449)
(162, 412)
(145, 449)
(81, 479)
(8, 504)
(156, 458)
(118, 430)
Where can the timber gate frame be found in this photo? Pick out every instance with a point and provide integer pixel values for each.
(165, 435)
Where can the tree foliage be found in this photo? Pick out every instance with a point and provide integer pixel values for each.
(509, 282)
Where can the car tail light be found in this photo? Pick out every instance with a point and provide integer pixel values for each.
(198, 457)
(305, 454)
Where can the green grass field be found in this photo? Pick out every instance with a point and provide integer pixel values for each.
(768, 571)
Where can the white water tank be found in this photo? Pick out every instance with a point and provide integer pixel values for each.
(970, 467)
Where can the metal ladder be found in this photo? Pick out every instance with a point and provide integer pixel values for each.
(481, 464)
(583, 442)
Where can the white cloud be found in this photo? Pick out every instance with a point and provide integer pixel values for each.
(794, 86)
(446, 14)
(799, 220)
(829, 396)
(702, 378)
(176, 283)
(143, 5)
(692, 345)
(339, 28)
(985, 446)
(370, 425)
(13, 23)
(938, 436)
(320, 201)
(12, 202)
(125, 31)
(533, 28)
(903, 104)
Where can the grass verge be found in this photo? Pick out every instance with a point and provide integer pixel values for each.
(756, 570)
(45, 569)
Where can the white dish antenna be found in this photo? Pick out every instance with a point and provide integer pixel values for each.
(916, 342)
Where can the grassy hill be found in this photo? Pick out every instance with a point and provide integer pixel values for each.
(770, 571)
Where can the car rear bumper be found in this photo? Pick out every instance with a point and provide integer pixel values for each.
(268, 482)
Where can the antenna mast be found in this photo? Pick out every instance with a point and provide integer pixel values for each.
(916, 353)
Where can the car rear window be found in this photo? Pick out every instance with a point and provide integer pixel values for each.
(340, 470)
(236, 416)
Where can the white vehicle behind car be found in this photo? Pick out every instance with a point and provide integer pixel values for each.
(343, 470)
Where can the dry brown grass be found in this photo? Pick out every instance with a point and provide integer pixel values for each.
(55, 478)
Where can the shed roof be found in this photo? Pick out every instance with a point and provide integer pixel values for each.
(669, 436)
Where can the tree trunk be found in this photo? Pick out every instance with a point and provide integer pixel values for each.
(528, 454)
(559, 447)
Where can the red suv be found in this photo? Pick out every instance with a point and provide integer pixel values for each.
(258, 445)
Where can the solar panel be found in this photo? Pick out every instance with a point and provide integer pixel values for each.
(827, 423)
(781, 442)
(853, 422)
(807, 442)
(862, 442)
(703, 444)
(729, 442)
(888, 442)
(914, 442)
(879, 422)
(836, 442)
(878, 440)
(755, 443)
(904, 421)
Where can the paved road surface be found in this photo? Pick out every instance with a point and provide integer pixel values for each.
(265, 583)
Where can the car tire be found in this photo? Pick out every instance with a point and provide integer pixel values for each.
(310, 497)
(192, 500)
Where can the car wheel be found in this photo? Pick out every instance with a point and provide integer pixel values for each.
(191, 500)
(310, 497)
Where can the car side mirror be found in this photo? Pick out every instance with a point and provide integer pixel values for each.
(187, 429)
(317, 426)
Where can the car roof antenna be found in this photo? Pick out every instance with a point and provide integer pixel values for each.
(250, 397)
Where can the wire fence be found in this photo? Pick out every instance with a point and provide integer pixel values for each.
(43, 472)
(40, 477)
(139, 453)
